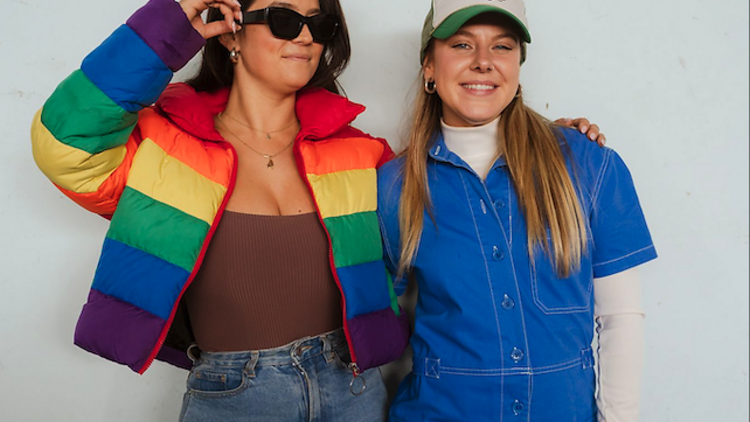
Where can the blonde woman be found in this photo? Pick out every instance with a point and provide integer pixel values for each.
(519, 233)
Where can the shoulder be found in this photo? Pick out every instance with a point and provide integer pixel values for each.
(391, 173)
(587, 157)
(390, 180)
(351, 140)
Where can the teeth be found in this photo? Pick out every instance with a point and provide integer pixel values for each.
(480, 87)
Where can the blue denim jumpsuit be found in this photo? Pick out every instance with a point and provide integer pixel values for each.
(498, 337)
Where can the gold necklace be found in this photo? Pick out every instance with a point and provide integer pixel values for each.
(268, 134)
(269, 157)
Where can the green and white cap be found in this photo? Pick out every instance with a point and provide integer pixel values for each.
(447, 16)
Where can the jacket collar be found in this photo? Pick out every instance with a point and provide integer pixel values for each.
(440, 152)
(320, 112)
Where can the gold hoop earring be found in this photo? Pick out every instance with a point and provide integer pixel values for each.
(429, 86)
(234, 56)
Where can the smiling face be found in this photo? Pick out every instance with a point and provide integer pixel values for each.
(283, 66)
(476, 71)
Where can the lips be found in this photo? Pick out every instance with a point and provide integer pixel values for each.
(298, 57)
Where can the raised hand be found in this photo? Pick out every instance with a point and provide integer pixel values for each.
(231, 9)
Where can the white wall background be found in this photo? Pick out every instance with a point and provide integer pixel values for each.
(667, 80)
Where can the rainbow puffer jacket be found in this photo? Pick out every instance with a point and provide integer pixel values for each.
(163, 174)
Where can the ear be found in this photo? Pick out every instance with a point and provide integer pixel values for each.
(428, 67)
(229, 41)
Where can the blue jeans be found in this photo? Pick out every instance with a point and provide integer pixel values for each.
(306, 380)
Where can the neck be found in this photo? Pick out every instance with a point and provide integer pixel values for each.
(477, 146)
(260, 107)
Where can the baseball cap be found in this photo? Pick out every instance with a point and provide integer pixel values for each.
(448, 16)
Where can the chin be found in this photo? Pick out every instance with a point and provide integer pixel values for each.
(479, 119)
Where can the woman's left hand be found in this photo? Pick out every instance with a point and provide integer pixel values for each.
(585, 127)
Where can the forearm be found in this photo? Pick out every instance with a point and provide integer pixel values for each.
(620, 325)
(81, 138)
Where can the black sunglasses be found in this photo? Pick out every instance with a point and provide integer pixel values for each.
(287, 24)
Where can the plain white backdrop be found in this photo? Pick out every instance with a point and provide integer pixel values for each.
(667, 80)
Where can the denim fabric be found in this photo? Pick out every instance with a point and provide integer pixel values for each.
(306, 380)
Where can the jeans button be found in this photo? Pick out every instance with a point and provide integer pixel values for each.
(508, 303)
(517, 408)
(497, 254)
(499, 204)
(516, 355)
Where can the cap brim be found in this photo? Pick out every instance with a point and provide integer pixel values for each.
(455, 21)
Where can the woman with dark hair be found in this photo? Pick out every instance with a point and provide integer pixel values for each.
(520, 234)
(247, 185)
(244, 243)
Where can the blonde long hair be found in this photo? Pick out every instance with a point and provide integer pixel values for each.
(538, 170)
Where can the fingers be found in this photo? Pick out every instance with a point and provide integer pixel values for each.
(230, 9)
(592, 131)
(582, 124)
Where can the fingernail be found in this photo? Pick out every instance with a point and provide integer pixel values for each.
(592, 136)
(238, 3)
(584, 129)
(234, 27)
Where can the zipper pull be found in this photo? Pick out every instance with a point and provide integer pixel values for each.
(357, 385)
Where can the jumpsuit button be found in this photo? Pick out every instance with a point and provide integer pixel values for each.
(516, 355)
(508, 303)
(497, 254)
(517, 408)
(499, 204)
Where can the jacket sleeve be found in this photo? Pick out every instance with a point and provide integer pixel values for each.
(85, 136)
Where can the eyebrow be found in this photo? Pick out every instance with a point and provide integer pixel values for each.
(292, 6)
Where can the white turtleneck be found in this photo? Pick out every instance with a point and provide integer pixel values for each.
(477, 146)
(619, 314)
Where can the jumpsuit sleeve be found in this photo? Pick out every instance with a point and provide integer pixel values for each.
(621, 238)
(389, 196)
(85, 136)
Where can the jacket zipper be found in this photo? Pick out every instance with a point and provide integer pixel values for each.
(201, 256)
(353, 366)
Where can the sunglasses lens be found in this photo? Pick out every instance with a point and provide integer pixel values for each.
(323, 27)
(285, 24)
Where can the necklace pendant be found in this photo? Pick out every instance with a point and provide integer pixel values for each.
(268, 136)
(270, 163)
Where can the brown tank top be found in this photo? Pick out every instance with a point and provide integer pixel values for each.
(265, 282)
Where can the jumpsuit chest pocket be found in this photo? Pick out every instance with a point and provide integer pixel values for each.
(554, 295)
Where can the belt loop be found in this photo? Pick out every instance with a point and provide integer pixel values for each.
(193, 356)
(327, 348)
(587, 358)
(432, 368)
(252, 363)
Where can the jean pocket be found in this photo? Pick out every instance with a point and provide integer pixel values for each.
(555, 295)
(212, 382)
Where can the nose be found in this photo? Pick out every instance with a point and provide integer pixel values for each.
(305, 36)
(482, 62)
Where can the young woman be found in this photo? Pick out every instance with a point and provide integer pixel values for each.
(261, 198)
(519, 234)
(243, 232)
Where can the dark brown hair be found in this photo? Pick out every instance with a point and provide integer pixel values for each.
(217, 71)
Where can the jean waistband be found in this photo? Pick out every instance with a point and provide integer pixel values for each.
(288, 354)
